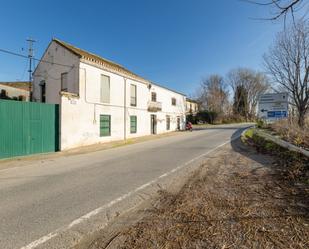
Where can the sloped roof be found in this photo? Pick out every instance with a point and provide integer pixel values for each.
(98, 59)
(192, 100)
(24, 85)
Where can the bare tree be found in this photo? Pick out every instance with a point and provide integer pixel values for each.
(213, 94)
(254, 83)
(281, 8)
(288, 64)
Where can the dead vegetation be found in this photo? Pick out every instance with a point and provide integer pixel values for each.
(238, 200)
(291, 132)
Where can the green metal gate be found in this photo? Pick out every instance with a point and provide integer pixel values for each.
(28, 128)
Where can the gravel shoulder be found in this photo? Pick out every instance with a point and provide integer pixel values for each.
(237, 199)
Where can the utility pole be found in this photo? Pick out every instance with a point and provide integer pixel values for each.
(30, 56)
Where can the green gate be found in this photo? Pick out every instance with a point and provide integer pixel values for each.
(28, 128)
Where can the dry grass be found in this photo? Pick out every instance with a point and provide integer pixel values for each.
(291, 132)
(234, 202)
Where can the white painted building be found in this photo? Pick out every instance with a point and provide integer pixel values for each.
(101, 101)
(192, 107)
(14, 90)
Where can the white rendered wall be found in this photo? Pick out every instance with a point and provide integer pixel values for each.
(80, 117)
(51, 73)
(14, 92)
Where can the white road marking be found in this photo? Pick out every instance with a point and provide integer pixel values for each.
(85, 217)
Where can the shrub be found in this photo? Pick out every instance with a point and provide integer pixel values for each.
(291, 132)
(260, 124)
(207, 116)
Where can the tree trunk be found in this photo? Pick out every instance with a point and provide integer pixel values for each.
(301, 118)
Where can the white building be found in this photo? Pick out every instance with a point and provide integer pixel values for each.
(192, 107)
(101, 101)
(15, 90)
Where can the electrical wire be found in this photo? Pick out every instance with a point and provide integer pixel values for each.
(24, 71)
(26, 57)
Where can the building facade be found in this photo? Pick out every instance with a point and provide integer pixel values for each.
(15, 91)
(192, 107)
(101, 101)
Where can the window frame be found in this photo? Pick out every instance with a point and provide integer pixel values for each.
(153, 96)
(109, 125)
(134, 103)
(109, 89)
(173, 101)
(64, 89)
(133, 131)
(168, 122)
(43, 91)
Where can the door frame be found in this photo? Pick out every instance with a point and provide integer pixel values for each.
(153, 124)
(178, 123)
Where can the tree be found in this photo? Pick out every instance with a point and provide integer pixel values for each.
(240, 106)
(213, 94)
(288, 64)
(254, 84)
(281, 8)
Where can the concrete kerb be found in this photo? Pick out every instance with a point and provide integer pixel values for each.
(281, 142)
(87, 225)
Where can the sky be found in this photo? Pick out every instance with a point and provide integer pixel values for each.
(175, 43)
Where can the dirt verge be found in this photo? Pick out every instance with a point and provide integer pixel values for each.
(239, 199)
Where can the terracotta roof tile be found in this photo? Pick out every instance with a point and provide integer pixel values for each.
(98, 60)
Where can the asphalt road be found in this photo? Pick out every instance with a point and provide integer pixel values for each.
(37, 199)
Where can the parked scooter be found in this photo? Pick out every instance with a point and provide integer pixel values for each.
(189, 126)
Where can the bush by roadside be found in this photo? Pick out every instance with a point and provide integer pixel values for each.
(289, 131)
(211, 117)
(294, 165)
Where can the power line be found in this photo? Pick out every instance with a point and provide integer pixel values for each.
(26, 57)
(24, 71)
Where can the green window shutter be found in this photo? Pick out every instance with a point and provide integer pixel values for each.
(133, 124)
(105, 125)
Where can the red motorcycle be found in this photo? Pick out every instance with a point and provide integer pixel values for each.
(189, 126)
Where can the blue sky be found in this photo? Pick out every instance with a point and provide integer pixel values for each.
(172, 42)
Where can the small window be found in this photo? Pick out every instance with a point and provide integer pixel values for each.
(43, 92)
(168, 122)
(133, 95)
(133, 124)
(153, 97)
(105, 89)
(105, 125)
(173, 101)
(64, 82)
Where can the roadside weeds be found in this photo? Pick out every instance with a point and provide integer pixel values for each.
(239, 199)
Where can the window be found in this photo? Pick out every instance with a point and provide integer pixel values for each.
(153, 97)
(133, 95)
(105, 125)
(43, 91)
(133, 124)
(173, 101)
(64, 82)
(105, 89)
(168, 122)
